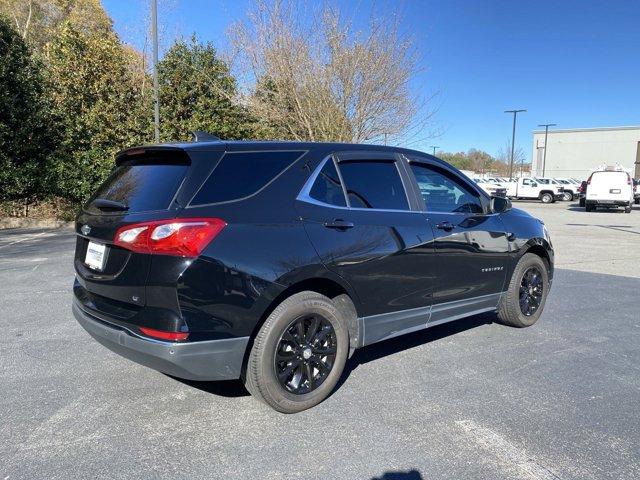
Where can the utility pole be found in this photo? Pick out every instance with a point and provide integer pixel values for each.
(544, 155)
(154, 39)
(434, 149)
(513, 139)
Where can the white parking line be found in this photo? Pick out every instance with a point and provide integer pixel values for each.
(506, 452)
(31, 237)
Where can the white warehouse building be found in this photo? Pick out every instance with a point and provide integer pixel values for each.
(575, 152)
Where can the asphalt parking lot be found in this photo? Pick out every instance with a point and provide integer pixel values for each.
(472, 399)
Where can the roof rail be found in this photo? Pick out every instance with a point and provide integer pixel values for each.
(201, 136)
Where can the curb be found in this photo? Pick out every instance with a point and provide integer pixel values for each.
(19, 222)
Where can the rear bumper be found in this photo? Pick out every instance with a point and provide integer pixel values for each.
(609, 203)
(203, 361)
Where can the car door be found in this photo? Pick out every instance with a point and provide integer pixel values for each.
(528, 188)
(367, 230)
(471, 244)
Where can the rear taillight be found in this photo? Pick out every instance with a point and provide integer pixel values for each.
(181, 237)
(164, 335)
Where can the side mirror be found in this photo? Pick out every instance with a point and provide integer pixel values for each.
(534, 184)
(500, 204)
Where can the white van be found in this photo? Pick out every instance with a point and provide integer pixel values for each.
(609, 187)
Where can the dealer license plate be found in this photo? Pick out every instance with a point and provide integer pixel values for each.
(95, 256)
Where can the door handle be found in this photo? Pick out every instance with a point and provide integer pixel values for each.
(339, 224)
(446, 226)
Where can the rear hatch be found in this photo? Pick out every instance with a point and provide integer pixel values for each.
(609, 186)
(144, 186)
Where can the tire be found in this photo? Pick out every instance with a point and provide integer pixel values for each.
(510, 311)
(582, 202)
(637, 201)
(628, 209)
(546, 197)
(589, 207)
(261, 378)
(567, 196)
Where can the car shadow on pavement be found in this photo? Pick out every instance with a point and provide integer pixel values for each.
(235, 388)
(222, 388)
(407, 475)
(398, 344)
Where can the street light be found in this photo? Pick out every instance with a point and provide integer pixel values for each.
(513, 139)
(546, 132)
(434, 149)
(154, 38)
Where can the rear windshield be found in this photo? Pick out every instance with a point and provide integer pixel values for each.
(140, 187)
(616, 177)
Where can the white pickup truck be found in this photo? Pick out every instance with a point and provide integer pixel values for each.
(529, 188)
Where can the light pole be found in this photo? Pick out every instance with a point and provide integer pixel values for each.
(513, 139)
(544, 155)
(434, 149)
(154, 39)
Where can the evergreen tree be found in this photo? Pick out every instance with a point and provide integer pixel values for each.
(100, 103)
(27, 135)
(198, 92)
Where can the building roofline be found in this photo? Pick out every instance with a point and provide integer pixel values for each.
(593, 129)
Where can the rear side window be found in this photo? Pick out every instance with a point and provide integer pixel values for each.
(141, 186)
(372, 184)
(327, 187)
(240, 174)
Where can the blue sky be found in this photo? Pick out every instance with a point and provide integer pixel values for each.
(571, 62)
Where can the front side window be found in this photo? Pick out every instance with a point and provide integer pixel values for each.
(442, 192)
(373, 184)
(327, 187)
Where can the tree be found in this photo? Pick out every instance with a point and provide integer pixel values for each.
(198, 92)
(100, 104)
(27, 135)
(38, 20)
(321, 79)
(458, 160)
(476, 160)
(519, 158)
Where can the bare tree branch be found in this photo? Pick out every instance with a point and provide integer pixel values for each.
(312, 76)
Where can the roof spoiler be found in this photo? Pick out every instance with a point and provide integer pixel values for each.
(201, 136)
(154, 153)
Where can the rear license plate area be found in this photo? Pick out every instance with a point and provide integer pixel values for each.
(95, 256)
(614, 190)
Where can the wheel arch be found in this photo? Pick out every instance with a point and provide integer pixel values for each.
(342, 295)
(542, 192)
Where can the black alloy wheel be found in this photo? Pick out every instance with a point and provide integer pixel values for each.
(531, 291)
(305, 354)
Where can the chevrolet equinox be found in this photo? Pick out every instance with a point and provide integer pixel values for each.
(273, 261)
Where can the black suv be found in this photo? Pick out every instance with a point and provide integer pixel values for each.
(273, 261)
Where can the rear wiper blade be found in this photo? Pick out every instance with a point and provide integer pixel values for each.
(104, 204)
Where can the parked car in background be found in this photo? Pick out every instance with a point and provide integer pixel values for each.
(611, 187)
(273, 261)
(636, 191)
(491, 188)
(569, 188)
(582, 192)
(529, 188)
(552, 183)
